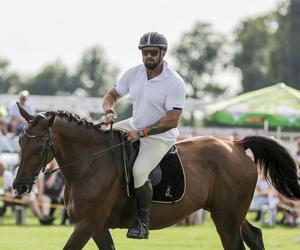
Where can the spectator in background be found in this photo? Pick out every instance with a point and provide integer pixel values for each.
(297, 157)
(290, 210)
(33, 201)
(236, 136)
(7, 180)
(3, 115)
(53, 192)
(265, 199)
(196, 218)
(15, 121)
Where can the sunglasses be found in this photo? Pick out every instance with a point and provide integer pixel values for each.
(153, 53)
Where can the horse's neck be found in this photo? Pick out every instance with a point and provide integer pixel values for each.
(74, 144)
(79, 134)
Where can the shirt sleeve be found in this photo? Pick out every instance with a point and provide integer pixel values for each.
(122, 86)
(176, 97)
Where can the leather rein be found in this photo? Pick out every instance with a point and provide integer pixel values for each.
(49, 146)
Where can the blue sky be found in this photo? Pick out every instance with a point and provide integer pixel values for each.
(35, 32)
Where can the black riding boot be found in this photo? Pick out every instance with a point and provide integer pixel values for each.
(144, 198)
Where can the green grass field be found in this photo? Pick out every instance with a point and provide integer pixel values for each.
(33, 236)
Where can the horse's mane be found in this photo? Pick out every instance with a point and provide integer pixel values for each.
(75, 118)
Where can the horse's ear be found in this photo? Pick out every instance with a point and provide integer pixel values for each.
(28, 117)
(51, 120)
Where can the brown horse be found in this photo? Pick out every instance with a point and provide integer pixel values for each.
(220, 178)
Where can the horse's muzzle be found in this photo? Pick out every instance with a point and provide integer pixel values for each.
(22, 187)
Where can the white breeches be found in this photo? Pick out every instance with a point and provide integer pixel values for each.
(152, 150)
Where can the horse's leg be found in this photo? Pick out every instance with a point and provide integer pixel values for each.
(228, 227)
(80, 236)
(252, 236)
(104, 240)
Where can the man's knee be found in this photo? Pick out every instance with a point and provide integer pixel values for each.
(138, 172)
(140, 176)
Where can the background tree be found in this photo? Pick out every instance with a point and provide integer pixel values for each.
(93, 77)
(254, 44)
(51, 80)
(94, 74)
(285, 57)
(268, 47)
(9, 81)
(197, 58)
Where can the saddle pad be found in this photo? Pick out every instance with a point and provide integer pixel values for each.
(170, 189)
(167, 178)
(172, 185)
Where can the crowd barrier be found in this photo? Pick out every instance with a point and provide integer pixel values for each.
(20, 208)
(21, 202)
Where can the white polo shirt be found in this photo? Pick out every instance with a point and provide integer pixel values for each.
(152, 98)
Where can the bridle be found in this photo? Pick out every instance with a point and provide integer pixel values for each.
(43, 162)
(49, 146)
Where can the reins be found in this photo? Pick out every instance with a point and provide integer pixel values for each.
(50, 146)
(85, 159)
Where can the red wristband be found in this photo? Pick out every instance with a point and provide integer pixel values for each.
(146, 130)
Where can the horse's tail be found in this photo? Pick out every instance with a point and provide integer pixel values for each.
(276, 163)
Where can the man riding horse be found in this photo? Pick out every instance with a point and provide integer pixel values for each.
(158, 95)
(220, 176)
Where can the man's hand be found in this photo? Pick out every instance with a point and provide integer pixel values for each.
(133, 135)
(109, 117)
(109, 101)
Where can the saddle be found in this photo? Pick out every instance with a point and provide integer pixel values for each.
(168, 179)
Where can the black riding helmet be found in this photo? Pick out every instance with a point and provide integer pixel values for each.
(153, 39)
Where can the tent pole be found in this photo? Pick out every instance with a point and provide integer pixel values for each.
(278, 132)
(266, 125)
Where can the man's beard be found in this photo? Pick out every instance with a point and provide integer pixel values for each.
(151, 65)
